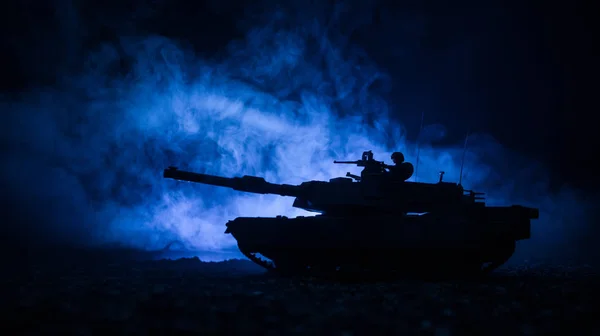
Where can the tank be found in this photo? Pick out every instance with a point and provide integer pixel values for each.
(375, 222)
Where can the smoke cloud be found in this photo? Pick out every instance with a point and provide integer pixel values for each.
(84, 156)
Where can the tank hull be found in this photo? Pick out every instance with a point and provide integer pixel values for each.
(473, 241)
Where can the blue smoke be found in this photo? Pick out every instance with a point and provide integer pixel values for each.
(86, 154)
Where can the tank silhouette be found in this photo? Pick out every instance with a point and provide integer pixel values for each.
(375, 222)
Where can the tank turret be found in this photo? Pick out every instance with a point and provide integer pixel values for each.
(376, 191)
(368, 218)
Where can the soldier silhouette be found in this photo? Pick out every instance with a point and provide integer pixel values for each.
(401, 170)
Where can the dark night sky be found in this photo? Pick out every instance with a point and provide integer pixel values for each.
(522, 72)
(530, 66)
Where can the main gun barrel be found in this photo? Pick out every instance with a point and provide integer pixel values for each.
(251, 184)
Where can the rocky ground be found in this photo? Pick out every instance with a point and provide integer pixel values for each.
(88, 294)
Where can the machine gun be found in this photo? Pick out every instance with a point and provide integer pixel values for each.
(371, 166)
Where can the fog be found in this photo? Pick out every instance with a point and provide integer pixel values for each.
(84, 155)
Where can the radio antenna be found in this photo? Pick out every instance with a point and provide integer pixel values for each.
(462, 163)
(419, 145)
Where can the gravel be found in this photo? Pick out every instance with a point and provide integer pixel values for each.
(89, 295)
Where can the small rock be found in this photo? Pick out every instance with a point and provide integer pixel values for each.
(448, 312)
(442, 332)
(527, 329)
(159, 289)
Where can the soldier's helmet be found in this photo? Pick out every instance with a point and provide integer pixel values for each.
(397, 157)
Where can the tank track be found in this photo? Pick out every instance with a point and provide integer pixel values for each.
(253, 256)
(501, 255)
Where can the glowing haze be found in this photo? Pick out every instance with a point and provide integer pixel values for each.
(88, 153)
